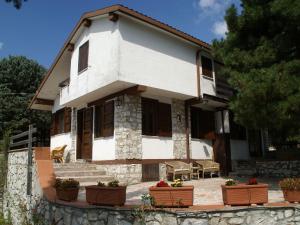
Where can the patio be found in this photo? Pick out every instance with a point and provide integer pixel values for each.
(206, 191)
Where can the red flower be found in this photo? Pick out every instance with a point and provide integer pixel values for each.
(162, 184)
(252, 181)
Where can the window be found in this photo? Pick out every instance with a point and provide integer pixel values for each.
(202, 124)
(156, 118)
(237, 131)
(83, 57)
(104, 119)
(206, 64)
(61, 121)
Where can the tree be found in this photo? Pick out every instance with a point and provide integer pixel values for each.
(19, 79)
(17, 3)
(261, 53)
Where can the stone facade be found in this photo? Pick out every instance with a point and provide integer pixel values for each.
(125, 173)
(178, 129)
(278, 168)
(72, 152)
(128, 128)
(67, 215)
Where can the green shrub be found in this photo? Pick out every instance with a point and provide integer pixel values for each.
(114, 183)
(66, 183)
(230, 182)
(100, 184)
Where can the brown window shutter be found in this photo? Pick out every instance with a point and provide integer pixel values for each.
(108, 119)
(83, 56)
(98, 120)
(52, 129)
(206, 64)
(67, 120)
(149, 116)
(164, 120)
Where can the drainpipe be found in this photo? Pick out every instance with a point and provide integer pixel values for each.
(187, 106)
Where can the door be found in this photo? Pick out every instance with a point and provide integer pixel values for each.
(222, 154)
(85, 133)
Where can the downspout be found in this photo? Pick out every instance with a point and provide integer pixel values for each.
(187, 106)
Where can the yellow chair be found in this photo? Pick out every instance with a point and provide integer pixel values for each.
(57, 154)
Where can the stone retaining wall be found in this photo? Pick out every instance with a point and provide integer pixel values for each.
(67, 215)
(278, 168)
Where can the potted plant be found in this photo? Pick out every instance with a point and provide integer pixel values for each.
(66, 189)
(176, 195)
(291, 189)
(111, 194)
(248, 193)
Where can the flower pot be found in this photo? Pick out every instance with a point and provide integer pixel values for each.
(291, 195)
(111, 196)
(243, 194)
(67, 194)
(172, 196)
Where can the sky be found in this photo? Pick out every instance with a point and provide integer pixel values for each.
(39, 29)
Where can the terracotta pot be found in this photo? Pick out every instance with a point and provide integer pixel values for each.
(243, 194)
(67, 194)
(172, 196)
(291, 195)
(106, 195)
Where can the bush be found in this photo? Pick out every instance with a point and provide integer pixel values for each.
(100, 184)
(230, 182)
(114, 183)
(66, 183)
(292, 184)
(177, 183)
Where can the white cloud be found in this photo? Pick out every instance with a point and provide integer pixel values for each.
(207, 3)
(1, 45)
(220, 28)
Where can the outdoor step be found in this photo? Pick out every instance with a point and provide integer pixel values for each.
(83, 179)
(73, 166)
(70, 173)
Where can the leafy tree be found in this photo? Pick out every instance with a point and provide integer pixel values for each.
(261, 53)
(17, 3)
(19, 79)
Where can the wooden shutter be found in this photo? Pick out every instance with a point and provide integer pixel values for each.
(149, 116)
(206, 64)
(194, 123)
(67, 120)
(52, 129)
(98, 122)
(83, 56)
(207, 124)
(108, 119)
(164, 120)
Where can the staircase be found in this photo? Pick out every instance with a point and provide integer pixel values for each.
(85, 173)
(243, 168)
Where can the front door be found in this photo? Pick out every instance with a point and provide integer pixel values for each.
(222, 154)
(84, 133)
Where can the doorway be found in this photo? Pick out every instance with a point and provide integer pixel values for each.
(84, 133)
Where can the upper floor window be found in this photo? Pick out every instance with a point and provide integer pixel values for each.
(104, 119)
(156, 118)
(83, 56)
(61, 121)
(207, 68)
(202, 123)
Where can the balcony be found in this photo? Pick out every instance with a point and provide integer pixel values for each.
(223, 89)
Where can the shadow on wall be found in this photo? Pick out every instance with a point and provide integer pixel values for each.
(206, 152)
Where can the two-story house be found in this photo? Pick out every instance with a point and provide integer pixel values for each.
(127, 90)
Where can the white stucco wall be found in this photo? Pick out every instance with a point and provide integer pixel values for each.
(104, 148)
(155, 59)
(60, 140)
(157, 147)
(102, 59)
(239, 150)
(201, 149)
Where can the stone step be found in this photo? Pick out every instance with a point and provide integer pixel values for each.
(243, 173)
(73, 166)
(84, 179)
(79, 173)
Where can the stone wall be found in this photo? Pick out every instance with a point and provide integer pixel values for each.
(16, 201)
(278, 168)
(67, 215)
(128, 128)
(72, 152)
(178, 129)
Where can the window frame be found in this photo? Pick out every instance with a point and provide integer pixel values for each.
(204, 70)
(102, 127)
(204, 120)
(83, 63)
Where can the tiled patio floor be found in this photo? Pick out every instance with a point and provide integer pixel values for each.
(206, 191)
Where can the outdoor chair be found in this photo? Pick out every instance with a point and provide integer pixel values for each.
(208, 166)
(57, 154)
(178, 168)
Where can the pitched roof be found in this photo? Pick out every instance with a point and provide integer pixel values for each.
(123, 10)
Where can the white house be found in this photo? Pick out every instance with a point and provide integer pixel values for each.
(127, 90)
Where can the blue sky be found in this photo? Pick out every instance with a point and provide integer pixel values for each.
(39, 29)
